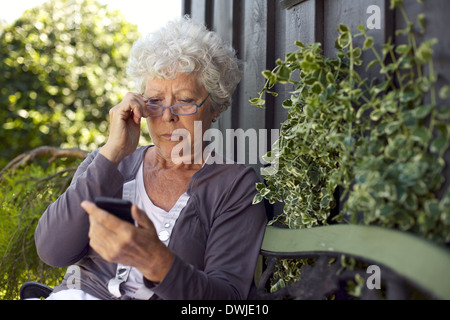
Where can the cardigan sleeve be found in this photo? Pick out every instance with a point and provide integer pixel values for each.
(61, 235)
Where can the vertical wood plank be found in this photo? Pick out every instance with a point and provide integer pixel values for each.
(237, 42)
(223, 25)
(279, 114)
(223, 19)
(186, 7)
(253, 53)
(304, 23)
(353, 14)
(198, 10)
(275, 114)
(201, 11)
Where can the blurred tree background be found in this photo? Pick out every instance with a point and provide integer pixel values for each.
(62, 68)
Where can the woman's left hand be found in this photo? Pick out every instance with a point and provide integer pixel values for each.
(119, 241)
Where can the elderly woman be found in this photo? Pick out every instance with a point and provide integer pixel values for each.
(196, 233)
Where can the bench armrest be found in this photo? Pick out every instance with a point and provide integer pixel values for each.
(417, 260)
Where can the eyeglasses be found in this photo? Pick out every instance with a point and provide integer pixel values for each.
(181, 109)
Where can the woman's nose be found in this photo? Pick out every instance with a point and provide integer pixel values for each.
(168, 115)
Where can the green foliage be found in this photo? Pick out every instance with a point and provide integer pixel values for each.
(24, 195)
(375, 139)
(291, 269)
(381, 140)
(62, 68)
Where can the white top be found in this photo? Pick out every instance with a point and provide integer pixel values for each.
(163, 221)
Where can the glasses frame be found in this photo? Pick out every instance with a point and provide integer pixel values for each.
(178, 104)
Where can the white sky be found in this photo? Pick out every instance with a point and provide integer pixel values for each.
(146, 14)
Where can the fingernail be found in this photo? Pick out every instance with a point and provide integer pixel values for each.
(85, 204)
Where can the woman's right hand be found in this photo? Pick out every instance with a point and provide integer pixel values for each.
(124, 128)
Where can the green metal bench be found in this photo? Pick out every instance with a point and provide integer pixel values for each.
(409, 266)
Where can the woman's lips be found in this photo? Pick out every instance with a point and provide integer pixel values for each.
(173, 137)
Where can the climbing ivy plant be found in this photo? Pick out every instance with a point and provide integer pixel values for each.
(381, 141)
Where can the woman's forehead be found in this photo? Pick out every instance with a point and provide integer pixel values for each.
(183, 83)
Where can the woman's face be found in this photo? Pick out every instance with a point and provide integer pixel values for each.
(168, 130)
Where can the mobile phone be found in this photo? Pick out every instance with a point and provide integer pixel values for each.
(118, 207)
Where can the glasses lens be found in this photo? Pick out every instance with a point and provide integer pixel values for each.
(185, 108)
(153, 110)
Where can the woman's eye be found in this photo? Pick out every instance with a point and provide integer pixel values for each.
(153, 101)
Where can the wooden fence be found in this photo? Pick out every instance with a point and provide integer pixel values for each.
(263, 30)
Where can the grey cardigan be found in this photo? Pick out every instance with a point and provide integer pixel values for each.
(216, 239)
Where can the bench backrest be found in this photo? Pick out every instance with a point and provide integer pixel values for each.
(422, 262)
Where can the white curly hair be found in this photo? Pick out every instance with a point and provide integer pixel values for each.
(184, 46)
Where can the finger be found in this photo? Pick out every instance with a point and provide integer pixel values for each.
(101, 217)
(88, 206)
(138, 109)
(100, 238)
(105, 232)
(130, 107)
(137, 115)
(93, 210)
(137, 105)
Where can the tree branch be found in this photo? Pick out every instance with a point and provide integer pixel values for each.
(44, 151)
